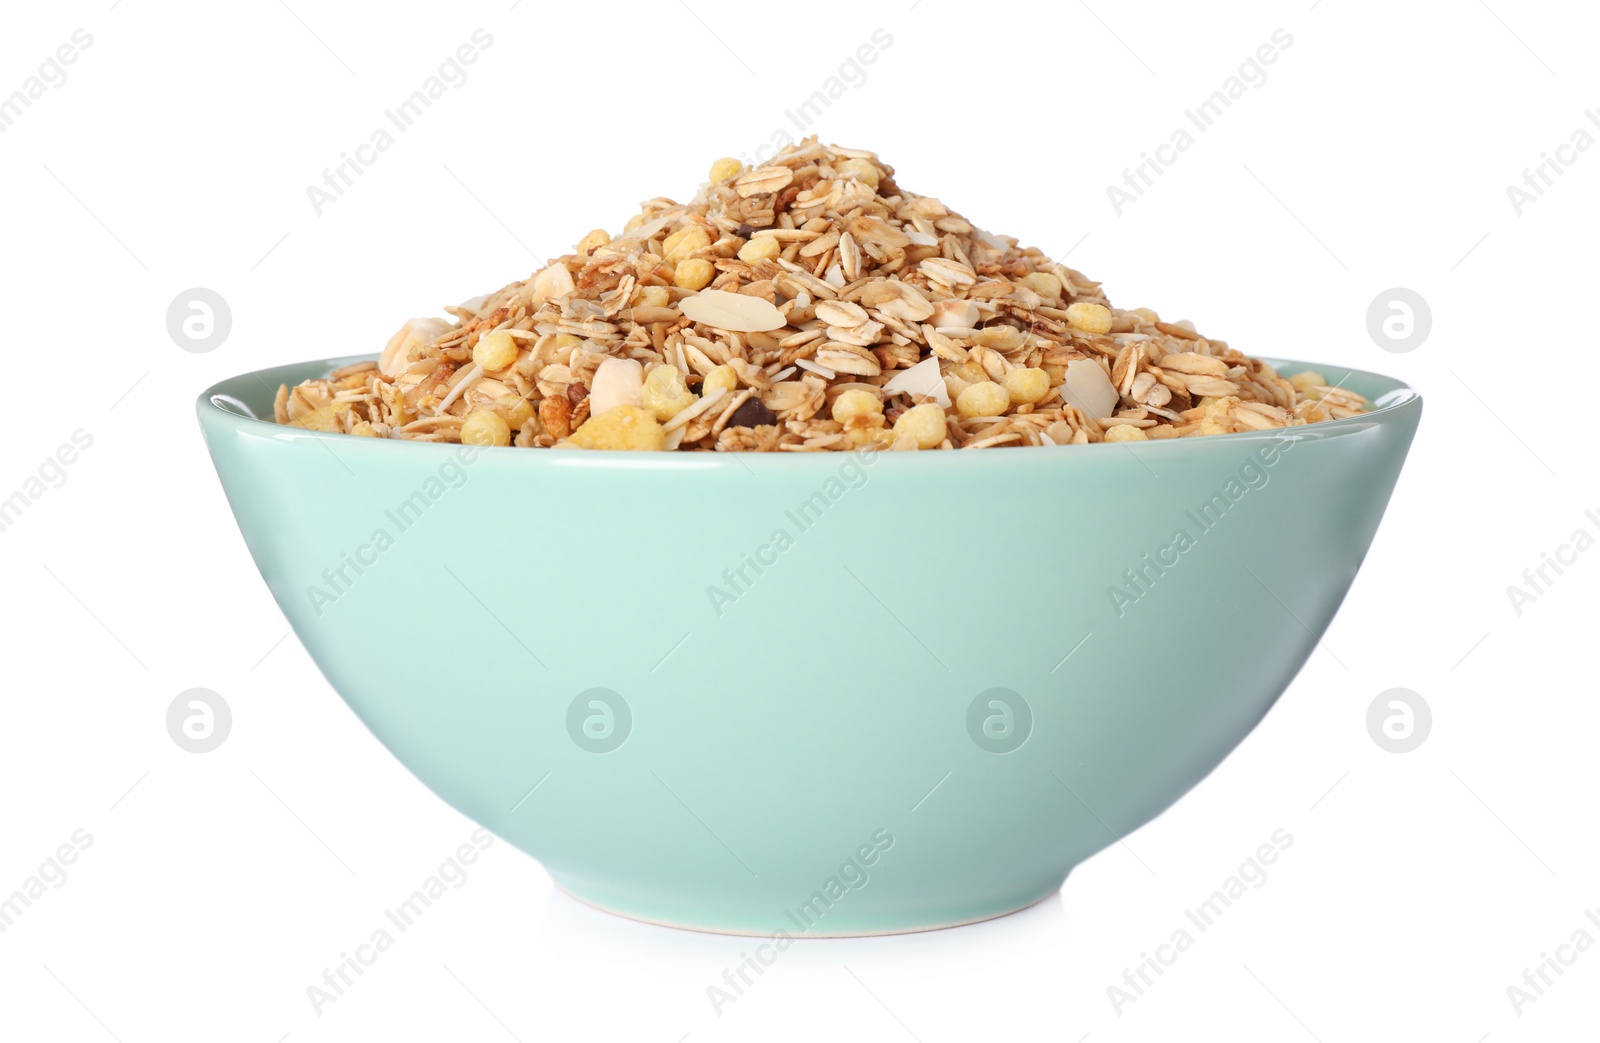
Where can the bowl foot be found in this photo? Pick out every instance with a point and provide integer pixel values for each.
(815, 931)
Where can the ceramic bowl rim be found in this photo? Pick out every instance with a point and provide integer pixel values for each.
(1397, 397)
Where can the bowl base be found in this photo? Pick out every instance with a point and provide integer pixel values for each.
(865, 933)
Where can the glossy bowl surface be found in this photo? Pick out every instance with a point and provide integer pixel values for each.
(819, 694)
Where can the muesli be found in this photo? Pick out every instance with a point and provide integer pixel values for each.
(807, 304)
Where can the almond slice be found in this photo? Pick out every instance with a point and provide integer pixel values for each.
(734, 312)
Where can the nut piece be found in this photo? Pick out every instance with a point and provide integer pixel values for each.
(925, 423)
(555, 413)
(485, 427)
(735, 312)
(1090, 318)
(625, 427)
(985, 398)
(616, 382)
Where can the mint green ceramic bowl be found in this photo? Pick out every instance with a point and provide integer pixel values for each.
(811, 694)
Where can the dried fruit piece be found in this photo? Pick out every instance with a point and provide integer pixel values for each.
(751, 413)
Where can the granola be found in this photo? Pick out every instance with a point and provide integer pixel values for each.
(803, 305)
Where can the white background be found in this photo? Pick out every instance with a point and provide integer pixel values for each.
(1377, 154)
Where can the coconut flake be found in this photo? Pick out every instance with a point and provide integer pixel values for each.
(735, 312)
(402, 349)
(834, 275)
(1087, 387)
(922, 379)
(816, 367)
(554, 281)
(651, 227)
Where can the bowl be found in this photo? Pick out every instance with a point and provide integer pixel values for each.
(808, 695)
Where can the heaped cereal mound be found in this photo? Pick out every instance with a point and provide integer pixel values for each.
(806, 304)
